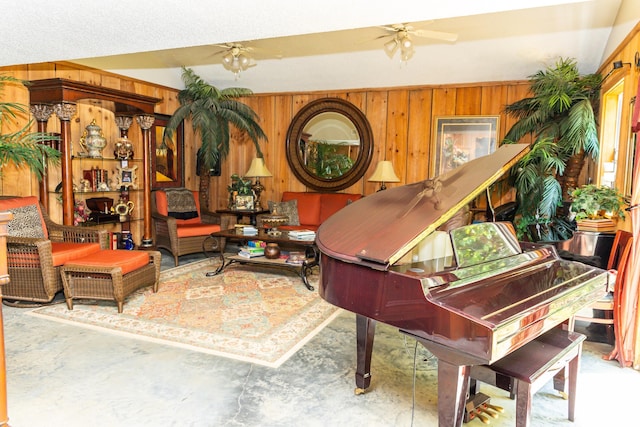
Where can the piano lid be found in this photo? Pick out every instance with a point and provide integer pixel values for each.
(380, 229)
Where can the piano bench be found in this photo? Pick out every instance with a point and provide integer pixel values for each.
(527, 369)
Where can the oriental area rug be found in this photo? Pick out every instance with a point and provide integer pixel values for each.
(253, 314)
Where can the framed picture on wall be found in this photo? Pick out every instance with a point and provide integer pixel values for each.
(166, 154)
(459, 139)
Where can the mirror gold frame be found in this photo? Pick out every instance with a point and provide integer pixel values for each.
(295, 135)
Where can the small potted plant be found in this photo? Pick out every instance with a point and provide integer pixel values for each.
(596, 206)
(238, 187)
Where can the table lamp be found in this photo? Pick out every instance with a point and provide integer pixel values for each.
(384, 173)
(257, 170)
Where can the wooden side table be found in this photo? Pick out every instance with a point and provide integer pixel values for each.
(241, 213)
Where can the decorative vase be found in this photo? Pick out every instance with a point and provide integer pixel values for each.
(92, 140)
(272, 251)
(124, 149)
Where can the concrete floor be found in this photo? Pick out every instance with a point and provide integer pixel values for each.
(63, 375)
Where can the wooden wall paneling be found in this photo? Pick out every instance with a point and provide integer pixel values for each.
(283, 179)
(444, 102)
(65, 71)
(468, 101)
(493, 102)
(397, 129)
(269, 147)
(42, 70)
(416, 166)
(110, 81)
(376, 112)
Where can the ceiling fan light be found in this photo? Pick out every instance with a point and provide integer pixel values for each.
(227, 58)
(390, 47)
(244, 61)
(406, 42)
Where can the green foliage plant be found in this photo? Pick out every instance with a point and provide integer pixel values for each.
(597, 202)
(23, 148)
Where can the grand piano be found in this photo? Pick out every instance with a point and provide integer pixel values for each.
(491, 296)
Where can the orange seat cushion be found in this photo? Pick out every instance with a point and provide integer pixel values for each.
(128, 261)
(190, 230)
(62, 252)
(308, 206)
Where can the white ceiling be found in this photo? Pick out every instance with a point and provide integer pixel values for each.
(320, 45)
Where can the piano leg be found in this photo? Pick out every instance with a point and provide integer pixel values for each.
(365, 333)
(453, 389)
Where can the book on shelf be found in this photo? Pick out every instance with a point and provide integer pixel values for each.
(252, 249)
(256, 244)
(249, 231)
(302, 234)
(246, 254)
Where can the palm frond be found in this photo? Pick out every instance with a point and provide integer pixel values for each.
(211, 111)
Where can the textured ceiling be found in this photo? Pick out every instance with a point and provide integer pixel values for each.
(321, 45)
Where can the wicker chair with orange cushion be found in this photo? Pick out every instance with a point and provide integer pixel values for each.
(181, 226)
(37, 248)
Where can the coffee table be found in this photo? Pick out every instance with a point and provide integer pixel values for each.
(309, 247)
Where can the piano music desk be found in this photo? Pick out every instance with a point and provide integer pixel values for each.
(527, 369)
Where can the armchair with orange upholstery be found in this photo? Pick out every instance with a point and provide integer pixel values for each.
(37, 248)
(181, 226)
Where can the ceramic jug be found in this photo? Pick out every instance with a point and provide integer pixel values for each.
(124, 209)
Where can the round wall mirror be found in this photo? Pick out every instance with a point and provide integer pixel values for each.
(329, 144)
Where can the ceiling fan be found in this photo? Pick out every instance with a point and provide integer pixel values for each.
(401, 39)
(236, 57)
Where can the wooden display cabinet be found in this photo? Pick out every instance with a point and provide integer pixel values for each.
(118, 113)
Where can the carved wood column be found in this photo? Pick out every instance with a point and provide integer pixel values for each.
(124, 123)
(65, 111)
(145, 123)
(5, 217)
(42, 112)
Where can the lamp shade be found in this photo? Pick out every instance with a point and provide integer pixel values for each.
(384, 173)
(257, 168)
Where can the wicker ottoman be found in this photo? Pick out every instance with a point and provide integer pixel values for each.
(110, 275)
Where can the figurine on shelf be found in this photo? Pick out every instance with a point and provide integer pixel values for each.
(85, 185)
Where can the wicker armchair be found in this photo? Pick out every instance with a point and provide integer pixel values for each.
(182, 234)
(37, 247)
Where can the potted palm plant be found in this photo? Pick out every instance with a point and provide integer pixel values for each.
(211, 111)
(560, 116)
(23, 148)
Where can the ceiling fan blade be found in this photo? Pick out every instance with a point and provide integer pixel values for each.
(219, 52)
(439, 35)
